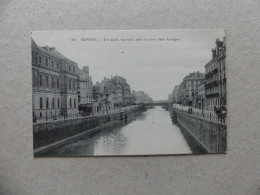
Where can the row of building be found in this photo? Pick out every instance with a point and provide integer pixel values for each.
(60, 87)
(204, 90)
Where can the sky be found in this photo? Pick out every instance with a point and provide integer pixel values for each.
(153, 61)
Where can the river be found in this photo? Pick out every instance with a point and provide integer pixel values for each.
(149, 133)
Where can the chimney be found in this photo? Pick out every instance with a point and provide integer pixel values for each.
(86, 69)
(213, 53)
(219, 46)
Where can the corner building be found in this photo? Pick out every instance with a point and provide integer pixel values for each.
(54, 83)
(215, 86)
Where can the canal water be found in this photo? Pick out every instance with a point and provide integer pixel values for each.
(149, 133)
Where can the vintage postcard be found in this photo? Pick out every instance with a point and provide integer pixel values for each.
(128, 92)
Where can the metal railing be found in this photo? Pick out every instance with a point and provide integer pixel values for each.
(50, 118)
(205, 114)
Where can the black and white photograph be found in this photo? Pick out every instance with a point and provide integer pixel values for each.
(128, 92)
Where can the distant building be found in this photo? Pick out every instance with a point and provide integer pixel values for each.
(104, 93)
(216, 76)
(188, 90)
(54, 82)
(141, 97)
(201, 96)
(173, 97)
(123, 90)
(97, 98)
(111, 93)
(180, 93)
(170, 98)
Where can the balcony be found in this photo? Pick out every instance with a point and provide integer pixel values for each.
(214, 94)
(214, 83)
(215, 70)
(210, 73)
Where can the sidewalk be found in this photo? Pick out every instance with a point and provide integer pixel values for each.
(193, 109)
(77, 116)
(207, 114)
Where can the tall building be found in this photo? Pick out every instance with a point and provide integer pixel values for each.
(54, 83)
(85, 86)
(111, 93)
(216, 76)
(180, 93)
(188, 89)
(123, 90)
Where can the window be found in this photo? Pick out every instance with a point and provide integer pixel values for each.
(70, 103)
(40, 80)
(74, 85)
(46, 62)
(52, 82)
(57, 66)
(40, 102)
(40, 59)
(69, 84)
(34, 56)
(40, 115)
(52, 64)
(47, 81)
(33, 77)
(58, 103)
(53, 105)
(47, 103)
(69, 68)
(58, 83)
(73, 69)
(74, 103)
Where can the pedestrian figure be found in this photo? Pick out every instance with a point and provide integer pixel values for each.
(223, 113)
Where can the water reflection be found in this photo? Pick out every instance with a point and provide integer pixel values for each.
(148, 133)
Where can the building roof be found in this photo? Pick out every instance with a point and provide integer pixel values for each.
(50, 51)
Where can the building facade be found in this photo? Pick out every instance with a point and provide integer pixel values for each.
(201, 96)
(54, 83)
(104, 94)
(85, 89)
(215, 69)
(173, 97)
(187, 92)
(123, 90)
(141, 97)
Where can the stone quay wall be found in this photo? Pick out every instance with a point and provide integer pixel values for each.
(52, 132)
(209, 134)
